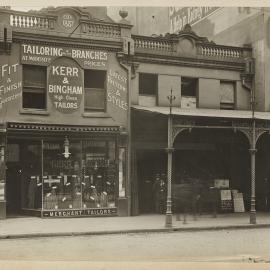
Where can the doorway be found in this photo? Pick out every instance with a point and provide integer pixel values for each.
(151, 164)
(13, 188)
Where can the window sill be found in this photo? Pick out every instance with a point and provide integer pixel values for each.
(34, 112)
(95, 114)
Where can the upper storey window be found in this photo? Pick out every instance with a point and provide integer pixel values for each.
(148, 84)
(227, 95)
(34, 87)
(189, 89)
(94, 90)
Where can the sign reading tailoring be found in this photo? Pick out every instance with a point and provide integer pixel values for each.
(65, 86)
(44, 55)
(180, 16)
(80, 212)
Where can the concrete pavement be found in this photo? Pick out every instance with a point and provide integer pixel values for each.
(23, 227)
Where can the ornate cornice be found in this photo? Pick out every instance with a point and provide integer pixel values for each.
(19, 37)
(190, 62)
(61, 128)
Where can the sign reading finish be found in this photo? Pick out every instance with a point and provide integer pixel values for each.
(65, 85)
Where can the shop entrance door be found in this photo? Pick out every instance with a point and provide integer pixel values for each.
(151, 166)
(13, 188)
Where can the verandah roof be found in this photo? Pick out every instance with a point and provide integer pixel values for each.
(211, 113)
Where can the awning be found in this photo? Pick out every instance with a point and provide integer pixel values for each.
(213, 113)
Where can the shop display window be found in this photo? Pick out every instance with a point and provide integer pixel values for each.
(85, 178)
(99, 174)
(59, 174)
(62, 175)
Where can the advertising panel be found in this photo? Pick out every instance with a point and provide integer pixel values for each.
(65, 85)
(180, 16)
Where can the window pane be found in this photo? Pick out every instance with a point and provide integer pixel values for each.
(99, 174)
(122, 172)
(94, 79)
(147, 84)
(34, 87)
(34, 100)
(62, 175)
(226, 92)
(189, 86)
(94, 99)
(34, 76)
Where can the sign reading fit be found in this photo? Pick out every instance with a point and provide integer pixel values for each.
(10, 83)
(65, 85)
(180, 16)
(44, 55)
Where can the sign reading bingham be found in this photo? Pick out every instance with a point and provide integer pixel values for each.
(65, 85)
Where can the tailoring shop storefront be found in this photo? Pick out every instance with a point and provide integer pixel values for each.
(65, 146)
(211, 151)
(61, 171)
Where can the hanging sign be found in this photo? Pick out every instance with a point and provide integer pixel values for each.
(65, 85)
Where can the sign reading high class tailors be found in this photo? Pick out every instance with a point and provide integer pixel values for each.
(80, 212)
(44, 55)
(65, 87)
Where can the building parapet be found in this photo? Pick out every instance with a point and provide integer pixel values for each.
(187, 43)
(42, 22)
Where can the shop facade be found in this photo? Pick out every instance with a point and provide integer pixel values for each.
(207, 137)
(64, 115)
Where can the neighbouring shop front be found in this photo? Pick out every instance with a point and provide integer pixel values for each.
(65, 175)
(214, 162)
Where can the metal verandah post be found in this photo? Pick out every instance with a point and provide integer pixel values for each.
(252, 150)
(252, 217)
(168, 221)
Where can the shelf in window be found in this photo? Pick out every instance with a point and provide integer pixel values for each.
(95, 114)
(34, 111)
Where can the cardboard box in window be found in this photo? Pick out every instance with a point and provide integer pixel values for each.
(188, 102)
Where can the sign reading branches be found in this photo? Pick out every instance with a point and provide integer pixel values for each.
(65, 85)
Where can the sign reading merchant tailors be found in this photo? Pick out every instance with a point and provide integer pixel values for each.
(65, 87)
(44, 55)
(80, 212)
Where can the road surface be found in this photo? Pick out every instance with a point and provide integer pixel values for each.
(250, 245)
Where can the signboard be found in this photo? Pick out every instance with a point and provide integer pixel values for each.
(10, 83)
(44, 55)
(65, 85)
(222, 183)
(180, 16)
(117, 89)
(67, 20)
(226, 200)
(238, 202)
(80, 212)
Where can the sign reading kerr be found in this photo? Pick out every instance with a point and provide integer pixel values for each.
(44, 55)
(65, 86)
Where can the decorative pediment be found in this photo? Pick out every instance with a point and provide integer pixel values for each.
(186, 41)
